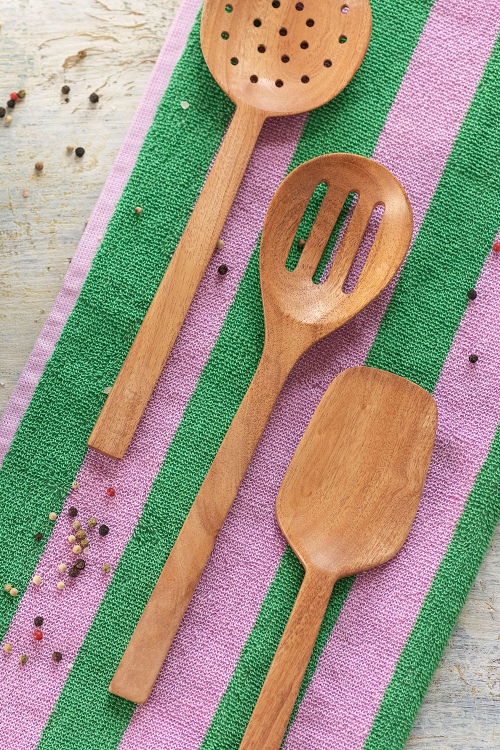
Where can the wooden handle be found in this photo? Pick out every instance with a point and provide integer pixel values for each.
(274, 707)
(136, 380)
(155, 631)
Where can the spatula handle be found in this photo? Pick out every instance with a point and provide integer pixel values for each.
(136, 380)
(274, 707)
(155, 631)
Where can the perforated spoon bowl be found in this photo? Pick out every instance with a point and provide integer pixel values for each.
(271, 57)
(346, 505)
(297, 313)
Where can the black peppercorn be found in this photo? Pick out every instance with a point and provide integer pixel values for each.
(473, 358)
(2, 111)
(94, 98)
(472, 294)
(38, 621)
(38, 536)
(73, 572)
(79, 151)
(65, 89)
(222, 270)
(103, 529)
(72, 512)
(80, 564)
(56, 656)
(11, 104)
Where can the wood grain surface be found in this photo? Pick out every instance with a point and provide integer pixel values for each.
(39, 234)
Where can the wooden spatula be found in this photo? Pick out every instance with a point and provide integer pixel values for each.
(346, 505)
(271, 58)
(297, 313)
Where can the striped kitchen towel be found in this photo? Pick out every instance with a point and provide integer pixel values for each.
(425, 103)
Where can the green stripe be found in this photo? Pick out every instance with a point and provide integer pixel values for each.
(464, 219)
(207, 416)
(50, 443)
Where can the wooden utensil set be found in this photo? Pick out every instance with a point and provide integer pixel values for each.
(353, 486)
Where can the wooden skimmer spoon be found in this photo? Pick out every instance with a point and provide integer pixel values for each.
(271, 58)
(346, 505)
(297, 313)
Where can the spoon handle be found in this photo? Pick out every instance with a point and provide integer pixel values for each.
(155, 631)
(274, 707)
(153, 343)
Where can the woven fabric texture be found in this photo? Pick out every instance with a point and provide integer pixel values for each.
(425, 103)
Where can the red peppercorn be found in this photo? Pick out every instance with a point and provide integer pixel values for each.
(37, 635)
(14, 96)
(110, 492)
(496, 247)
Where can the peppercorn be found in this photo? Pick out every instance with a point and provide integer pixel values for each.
(94, 98)
(7, 587)
(76, 525)
(38, 536)
(103, 529)
(79, 564)
(38, 622)
(7, 648)
(57, 656)
(72, 539)
(472, 294)
(222, 270)
(76, 549)
(79, 151)
(37, 580)
(106, 568)
(39, 166)
(138, 211)
(52, 516)
(81, 534)
(84, 543)
(92, 522)
(73, 572)
(8, 120)
(110, 492)
(2, 112)
(220, 244)
(74, 484)
(473, 358)
(14, 96)
(21, 94)
(13, 592)
(23, 659)
(65, 89)
(301, 243)
(11, 104)
(60, 585)
(62, 567)
(37, 635)
(72, 512)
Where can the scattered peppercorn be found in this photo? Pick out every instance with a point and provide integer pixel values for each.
(106, 568)
(69, 150)
(38, 536)
(39, 166)
(79, 151)
(82, 54)
(23, 659)
(26, 192)
(37, 635)
(57, 656)
(8, 120)
(74, 484)
(473, 358)
(84, 543)
(7, 587)
(222, 270)
(2, 112)
(7, 648)
(72, 512)
(52, 516)
(103, 529)
(14, 96)
(220, 244)
(60, 585)
(72, 539)
(65, 90)
(37, 580)
(110, 491)
(81, 534)
(92, 522)
(11, 104)
(76, 525)
(301, 243)
(94, 98)
(496, 247)
(62, 567)
(76, 549)
(21, 94)
(472, 294)
(73, 572)
(138, 210)
(80, 564)
(13, 592)
(38, 622)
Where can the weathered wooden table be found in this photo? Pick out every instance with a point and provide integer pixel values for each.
(38, 236)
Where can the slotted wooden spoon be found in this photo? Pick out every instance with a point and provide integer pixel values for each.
(297, 313)
(271, 58)
(346, 504)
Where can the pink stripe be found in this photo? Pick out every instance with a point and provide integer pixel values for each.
(133, 476)
(244, 563)
(96, 227)
(360, 657)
